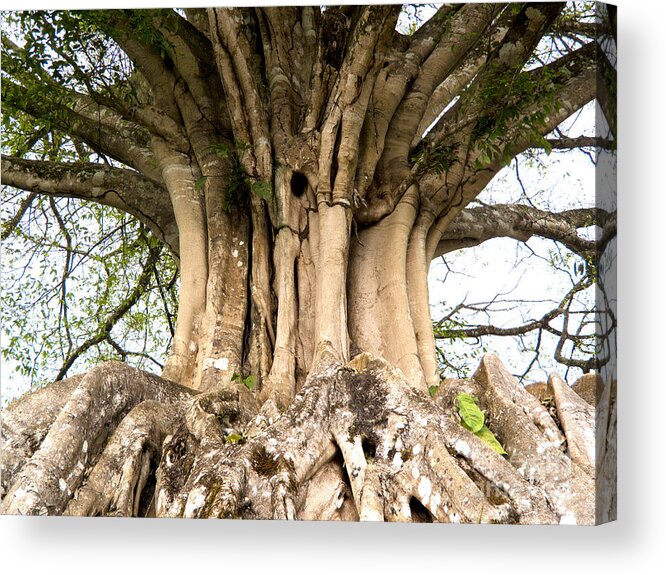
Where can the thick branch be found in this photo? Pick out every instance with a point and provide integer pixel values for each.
(235, 58)
(465, 72)
(465, 28)
(474, 226)
(571, 95)
(347, 106)
(119, 142)
(119, 188)
(566, 143)
(119, 24)
(107, 108)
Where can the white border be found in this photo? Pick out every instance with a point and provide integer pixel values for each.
(56, 545)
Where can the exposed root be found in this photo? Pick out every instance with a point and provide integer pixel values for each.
(577, 419)
(328, 496)
(426, 456)
(535, 444)
(364, 478)
(606, 453)
(253, 476)
(405, 457)
(101, 400)
(26, 423)
(212, 415)
(358, 442)
(118, 479)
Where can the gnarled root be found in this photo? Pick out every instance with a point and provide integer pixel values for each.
(535, 444)
(118, 479)
(357, 442)
(26, 422)
(50, 477)
(254, 473)
(416, 462)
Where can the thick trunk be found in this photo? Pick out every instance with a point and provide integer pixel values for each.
(335, 290)
(380, 315)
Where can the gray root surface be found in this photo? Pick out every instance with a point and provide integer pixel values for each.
(357, 442)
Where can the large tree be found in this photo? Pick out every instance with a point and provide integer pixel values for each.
(303, 167)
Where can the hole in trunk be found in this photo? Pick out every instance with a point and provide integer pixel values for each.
(339, 460)
(419, 513)
(299, 183)
(369, 448)
(147, 495)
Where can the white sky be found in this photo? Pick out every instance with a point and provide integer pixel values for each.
(563, 180)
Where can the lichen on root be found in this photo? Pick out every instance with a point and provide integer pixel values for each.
(357, 442)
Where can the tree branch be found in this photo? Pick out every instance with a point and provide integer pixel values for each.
(249, 117)
(483, 160)
(119, 188)
(147, 58)
(465, 28)
(9, 226)
(116, 315)
(566, 143)
(448, 328)
(465, 72)
(63, 319)
(97, 134)
(473, 226)
(145, 115)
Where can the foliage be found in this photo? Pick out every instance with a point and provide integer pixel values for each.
(67, 270)
(233, 438)
(473, 419)
(248, 381)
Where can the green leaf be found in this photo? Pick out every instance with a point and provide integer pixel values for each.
(233, 438)
(433, 390)
(262, 189)
(472, 417)
(488, 436)
(249, 382)
(200, 183)
(242, 146)
(221, 150)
